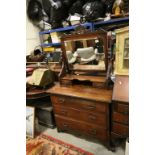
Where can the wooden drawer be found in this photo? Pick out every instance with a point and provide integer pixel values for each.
(114, 135)
(80, 104)
(120, 129)
(72, 125)
(81, 115)
(122, 108)
(121, 118)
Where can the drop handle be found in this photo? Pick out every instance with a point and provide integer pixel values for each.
(91, 117)
(93, 131)
(91, 107)
(64, 112)
(65, 125)
(61, 100)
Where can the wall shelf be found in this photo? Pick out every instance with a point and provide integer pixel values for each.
(112, 21)
(50, 44)
(88, 24)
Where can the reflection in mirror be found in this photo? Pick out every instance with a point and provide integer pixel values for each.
(84, 51)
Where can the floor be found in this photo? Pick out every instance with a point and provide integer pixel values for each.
(92, 146)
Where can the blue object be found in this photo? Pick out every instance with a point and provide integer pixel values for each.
(50, 44)
(112, 21)
(89, 25)
(67, 28)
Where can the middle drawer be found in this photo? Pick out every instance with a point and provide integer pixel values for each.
(98, 119)
(121, 118)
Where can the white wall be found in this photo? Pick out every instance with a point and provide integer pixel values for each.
(32, 36)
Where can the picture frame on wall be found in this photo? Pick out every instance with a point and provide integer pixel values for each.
(30, 120)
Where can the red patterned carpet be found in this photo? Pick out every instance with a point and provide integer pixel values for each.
(46, 145)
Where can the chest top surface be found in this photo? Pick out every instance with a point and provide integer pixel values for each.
(82, 92)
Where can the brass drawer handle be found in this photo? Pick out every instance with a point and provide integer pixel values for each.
(65, 125)
(61, 100)
(91, 117)
(91, 107)
(64, 112)
(93, 131)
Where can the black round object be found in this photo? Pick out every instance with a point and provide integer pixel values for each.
(93, 10)
(34, 10)
(76, 7)
(108, 4)
(57, 16)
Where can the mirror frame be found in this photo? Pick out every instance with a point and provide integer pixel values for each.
(87, 35)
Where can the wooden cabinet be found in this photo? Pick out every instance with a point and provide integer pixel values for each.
(83, 110)
(120, 108)
(122, 51)
(120, 120)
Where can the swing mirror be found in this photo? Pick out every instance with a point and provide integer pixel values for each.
(87, 52)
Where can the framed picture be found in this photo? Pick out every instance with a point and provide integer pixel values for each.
(30, 118)
(122, 51)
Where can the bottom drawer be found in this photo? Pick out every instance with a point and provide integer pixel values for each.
(114, 135)
(120, 129)
(80, 127)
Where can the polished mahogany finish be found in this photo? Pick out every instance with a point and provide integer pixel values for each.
(83, 92)
(121, 88)
(82, 109)
(81, 100)
(70, 125)
(83, 115)
(120, 108)
(121, 130)
(95, 81)
(80, 104)
(120, 118)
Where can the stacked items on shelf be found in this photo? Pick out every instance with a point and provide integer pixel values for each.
(55, 34)
(58, 12)
(50, 40)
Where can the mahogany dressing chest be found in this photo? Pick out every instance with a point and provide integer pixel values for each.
(81, 100)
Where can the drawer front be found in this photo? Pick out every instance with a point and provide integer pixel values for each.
(71, 125)
(98, 119)
(80, 104)
(122, 108)
(121, 118)
(120, 129)
(114, 135)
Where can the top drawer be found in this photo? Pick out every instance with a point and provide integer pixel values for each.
(77, 103)
(122, 108)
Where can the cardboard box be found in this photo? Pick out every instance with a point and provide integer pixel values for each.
(55, 36)
(48, 49)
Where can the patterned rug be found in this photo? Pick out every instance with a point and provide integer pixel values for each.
(45, 145)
